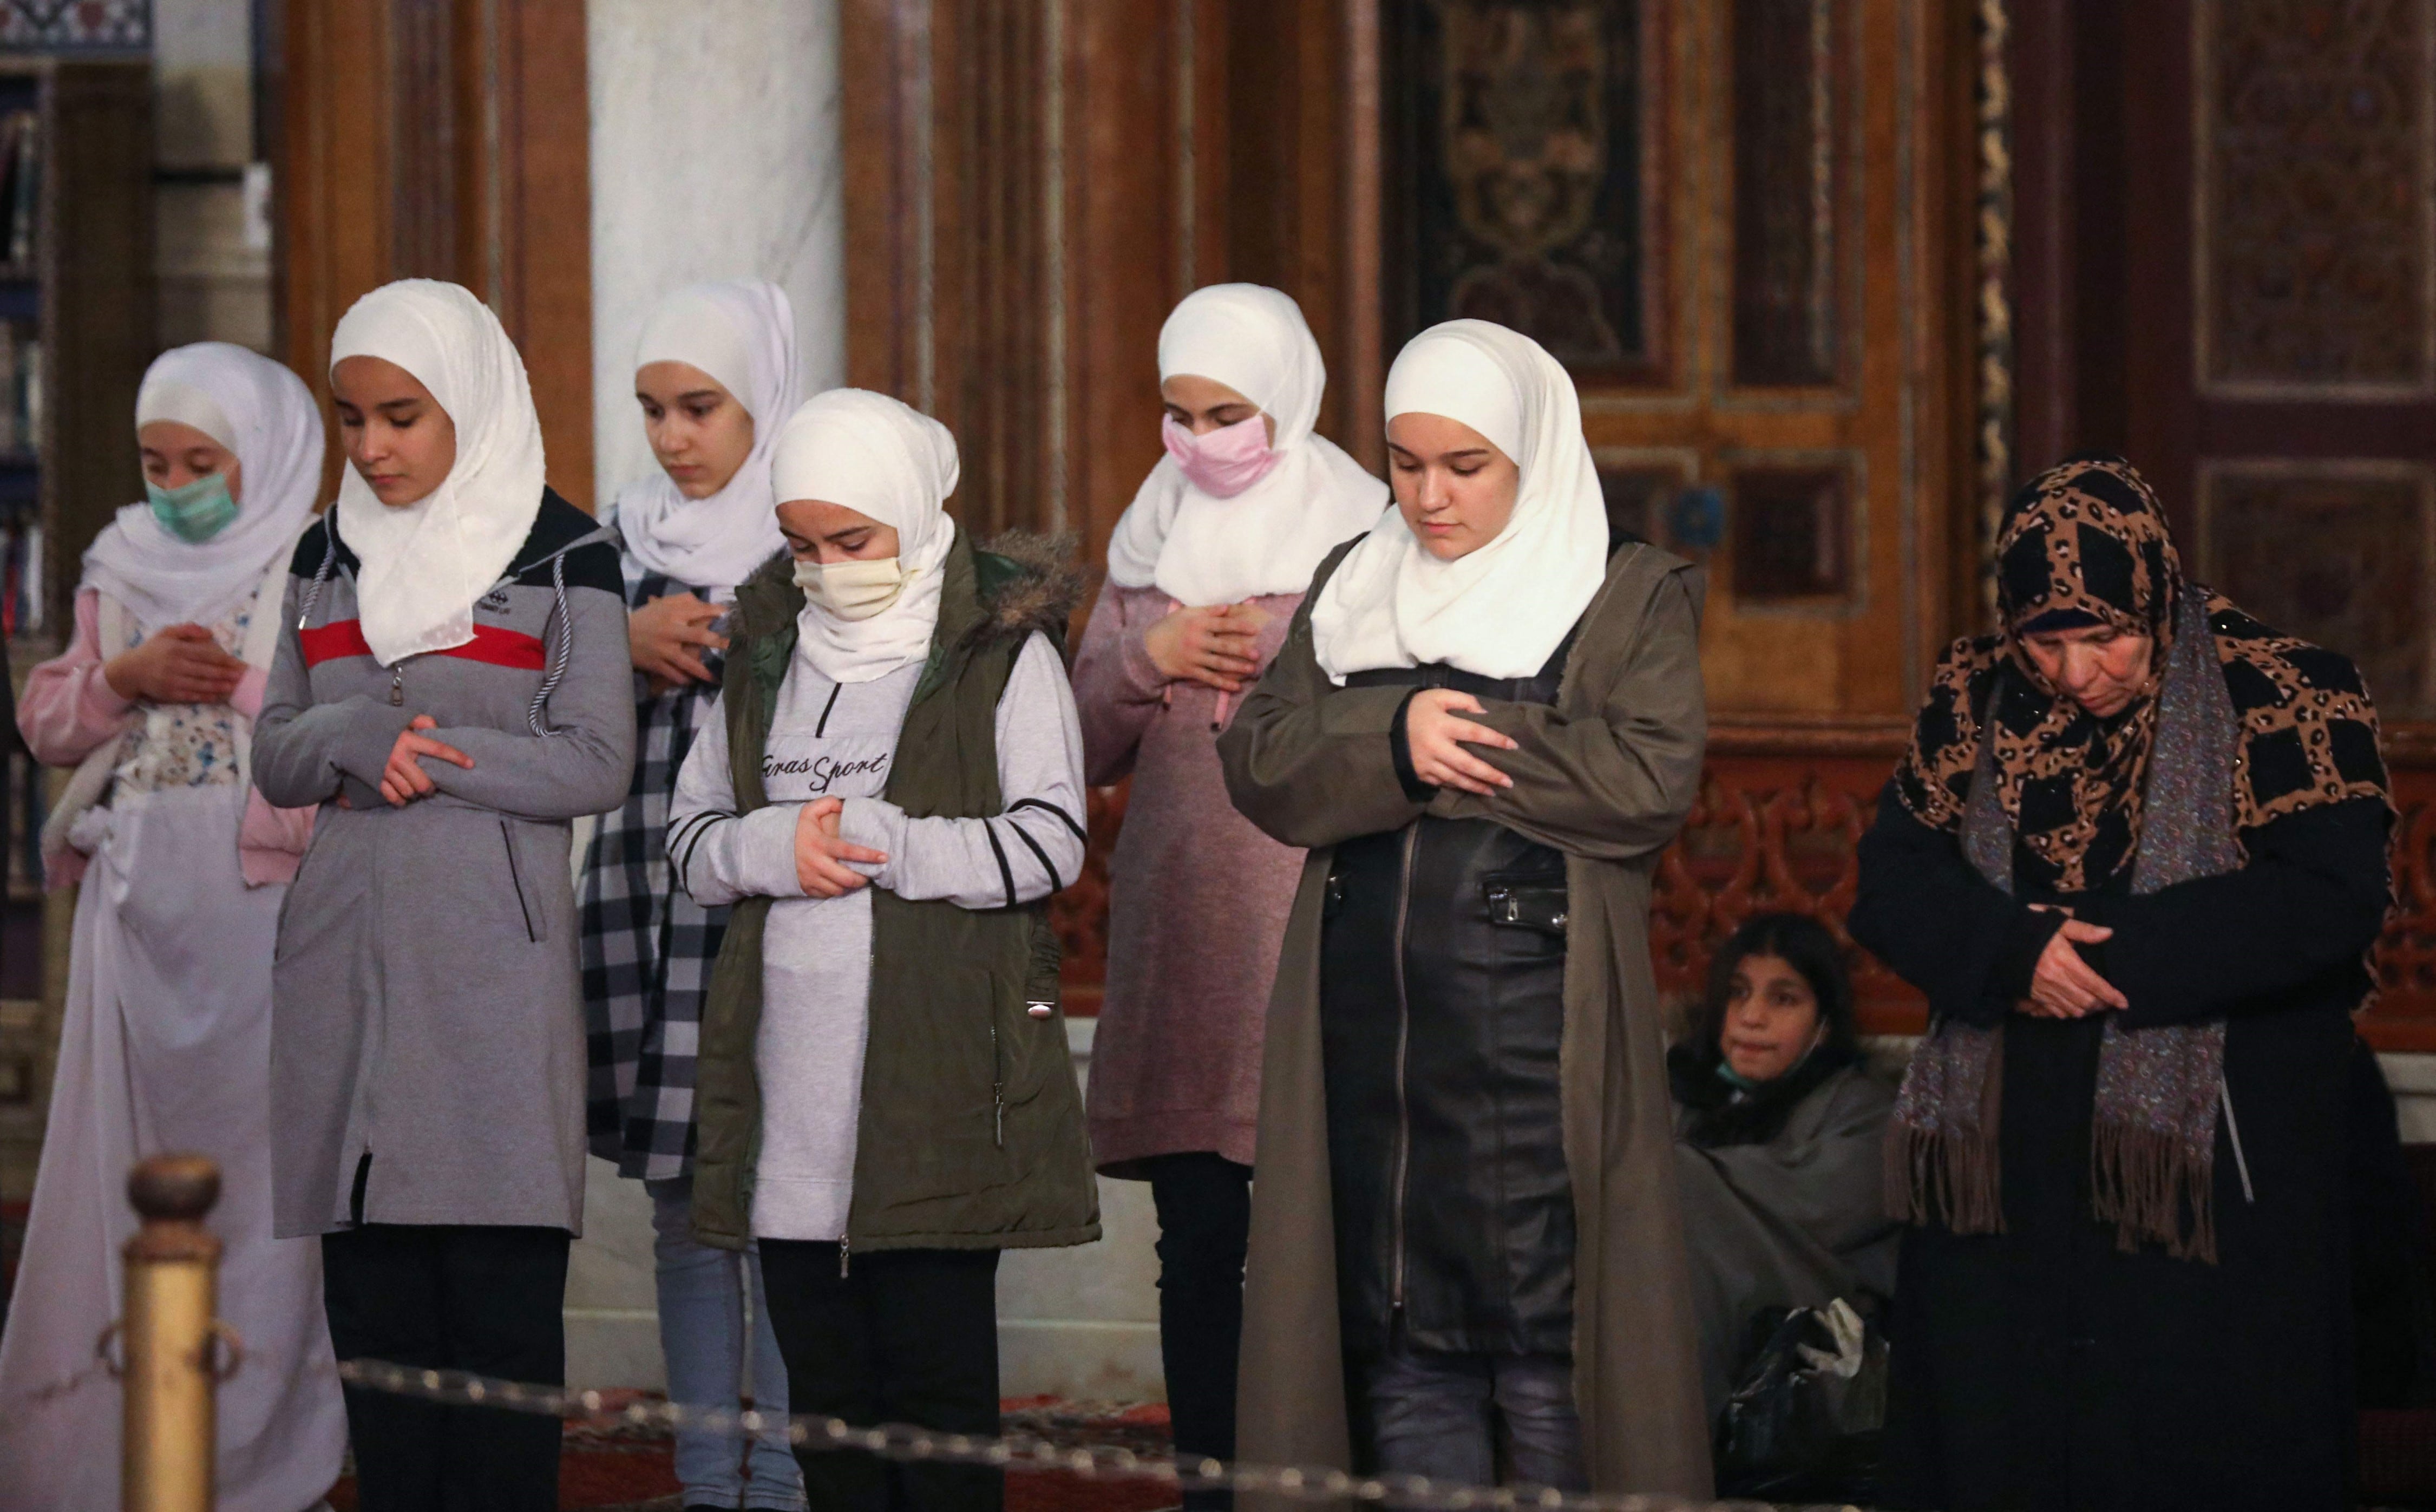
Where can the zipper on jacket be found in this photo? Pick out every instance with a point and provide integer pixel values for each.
(998, 1090)
(1404, 1048)
(846, 1248)
(516, 880)
(397, 685)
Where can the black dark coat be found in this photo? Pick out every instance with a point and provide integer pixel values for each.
(2041, 1367)
(1442, 1014)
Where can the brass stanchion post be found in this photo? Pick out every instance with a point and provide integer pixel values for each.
(170, 1331)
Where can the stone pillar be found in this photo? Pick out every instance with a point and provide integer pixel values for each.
(714, 154)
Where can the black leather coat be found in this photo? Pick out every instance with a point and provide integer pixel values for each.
(1442, 965)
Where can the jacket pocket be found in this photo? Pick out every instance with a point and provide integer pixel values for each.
(525, 900)
(1531, 904)
(1026, 1047)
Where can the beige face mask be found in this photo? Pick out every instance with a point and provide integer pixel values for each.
(852, 589)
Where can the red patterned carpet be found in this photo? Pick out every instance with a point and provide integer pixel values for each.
(622, 1468)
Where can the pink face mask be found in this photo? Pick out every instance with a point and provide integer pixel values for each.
(1224, 462)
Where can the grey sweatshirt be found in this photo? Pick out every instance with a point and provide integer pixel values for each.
(426, 1055)
(831, 739)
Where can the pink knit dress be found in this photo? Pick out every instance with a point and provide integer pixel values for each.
(1197, 901)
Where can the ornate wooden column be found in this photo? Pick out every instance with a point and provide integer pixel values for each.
(1031, 185)
(442, 139)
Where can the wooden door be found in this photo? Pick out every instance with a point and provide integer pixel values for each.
(2235, 287)
(1742, 225)
(1734, 223)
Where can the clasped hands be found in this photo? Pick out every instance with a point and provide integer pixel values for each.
(1436, 734)
(403, 780)
(667, 637)
(178, 663)
(821, 853)
(2062, 986)
(1216, 645)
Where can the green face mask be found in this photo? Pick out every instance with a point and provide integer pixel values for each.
(195, 511)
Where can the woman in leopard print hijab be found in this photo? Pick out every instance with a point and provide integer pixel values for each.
(2134, 856)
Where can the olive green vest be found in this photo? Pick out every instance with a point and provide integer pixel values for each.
(971, 1134)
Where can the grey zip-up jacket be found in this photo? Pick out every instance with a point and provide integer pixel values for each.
(428, 1059)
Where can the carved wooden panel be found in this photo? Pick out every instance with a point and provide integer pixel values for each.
(2316, 251)
(1521, 185)
(441, 139)
(2404, 1015)
(1791, 528)
(1645, 490)
(1032, 184)
(2343, 553)
(1774, 833)
(1081, 912)
(1812, 157)
(1790, 131)
(1780, 814)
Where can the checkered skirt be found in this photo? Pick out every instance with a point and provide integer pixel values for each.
(647, 947)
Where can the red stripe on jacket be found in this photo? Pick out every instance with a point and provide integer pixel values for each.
(491, 644)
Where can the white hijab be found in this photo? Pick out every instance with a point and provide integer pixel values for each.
(1504, 609)
(425, 564)
(881, 457)
(263, 414)
(1199, 549)
(741, 333)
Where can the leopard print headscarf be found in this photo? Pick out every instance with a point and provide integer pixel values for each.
(2089, 536)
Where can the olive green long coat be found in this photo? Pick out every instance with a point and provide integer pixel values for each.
(1605, 775)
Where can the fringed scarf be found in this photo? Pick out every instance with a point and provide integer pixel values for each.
(2239, 726)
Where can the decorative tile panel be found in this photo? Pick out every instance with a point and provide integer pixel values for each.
(1520, 129)
(47, 24)
(2340, 553)
(2316, 220)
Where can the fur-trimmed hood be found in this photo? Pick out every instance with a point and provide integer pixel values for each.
(1030, 580)
(1020, 582)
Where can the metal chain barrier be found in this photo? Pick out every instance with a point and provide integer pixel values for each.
(1009, 1452)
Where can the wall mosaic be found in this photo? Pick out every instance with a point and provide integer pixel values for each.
(59, 24)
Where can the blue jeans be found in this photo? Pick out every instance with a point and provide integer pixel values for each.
(1431, 1414)
(703, 1336)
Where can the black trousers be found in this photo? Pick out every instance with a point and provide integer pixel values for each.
(1205, 1225)
(902, 1336)
(451, 1297)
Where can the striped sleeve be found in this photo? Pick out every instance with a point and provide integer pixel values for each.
(1031, 848)
(717, 855)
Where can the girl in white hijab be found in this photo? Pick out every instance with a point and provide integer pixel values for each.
(715, 375)
(165, 1043)
(1204, 571)
(452, 688)
(892, 920)
(1485, 726)
(1489, 596)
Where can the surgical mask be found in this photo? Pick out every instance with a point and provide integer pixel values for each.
(193, 511)
(1224, 462)
(852, 589)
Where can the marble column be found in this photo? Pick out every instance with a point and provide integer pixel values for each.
(714, 154)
